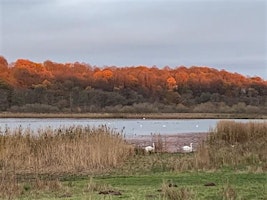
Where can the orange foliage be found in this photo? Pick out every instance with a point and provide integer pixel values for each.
(25, 73)
(171, 83)
(3, 64)
(3, 67)
(105, 74)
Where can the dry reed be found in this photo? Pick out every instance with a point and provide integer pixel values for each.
(65, 150)
(234, 144)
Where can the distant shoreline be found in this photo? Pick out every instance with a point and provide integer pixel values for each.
(137, 115)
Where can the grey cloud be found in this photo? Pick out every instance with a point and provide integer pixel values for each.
(222, 33)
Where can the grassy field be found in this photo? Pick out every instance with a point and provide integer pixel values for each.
(137, 115)
(85, 163)
(167, 185)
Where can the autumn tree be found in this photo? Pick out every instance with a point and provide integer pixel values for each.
(3, 64)
(80, 87)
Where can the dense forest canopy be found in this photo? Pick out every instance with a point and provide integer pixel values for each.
(26, 86)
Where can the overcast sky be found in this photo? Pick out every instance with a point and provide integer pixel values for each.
(222, 34)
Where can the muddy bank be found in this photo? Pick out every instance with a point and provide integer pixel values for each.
(169, 143)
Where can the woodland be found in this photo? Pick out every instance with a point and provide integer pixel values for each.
(27, 86)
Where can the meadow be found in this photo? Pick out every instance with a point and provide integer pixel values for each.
(98, 163)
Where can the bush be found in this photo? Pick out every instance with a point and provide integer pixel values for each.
(239, 108)
(205, 107)
(181, 108)
(37, 108)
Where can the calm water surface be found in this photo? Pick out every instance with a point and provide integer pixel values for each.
(130, 127)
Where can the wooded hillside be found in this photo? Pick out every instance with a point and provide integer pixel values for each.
(26, 86)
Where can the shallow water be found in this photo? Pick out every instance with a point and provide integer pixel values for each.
(129, 127)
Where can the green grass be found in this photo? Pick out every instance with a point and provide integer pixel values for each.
(243, 185)
(142, 176)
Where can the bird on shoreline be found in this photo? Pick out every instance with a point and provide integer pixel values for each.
(188, 148)
(149, 149)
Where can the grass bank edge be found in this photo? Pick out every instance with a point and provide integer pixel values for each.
(137, 115)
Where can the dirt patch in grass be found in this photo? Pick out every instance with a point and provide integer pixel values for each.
(169, 143)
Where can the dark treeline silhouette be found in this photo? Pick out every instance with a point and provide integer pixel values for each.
(26, 86)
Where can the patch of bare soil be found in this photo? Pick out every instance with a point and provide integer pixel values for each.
(168, 143)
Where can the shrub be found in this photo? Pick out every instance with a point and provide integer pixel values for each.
(38, 108)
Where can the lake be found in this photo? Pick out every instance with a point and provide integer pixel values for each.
(130, 127)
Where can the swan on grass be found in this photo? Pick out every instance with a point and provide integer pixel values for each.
(150, 148)
(188, 148)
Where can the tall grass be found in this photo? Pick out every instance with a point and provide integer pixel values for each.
(30, 157)
(64, 150)
(234, 144)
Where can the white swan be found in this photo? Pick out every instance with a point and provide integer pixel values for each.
(150, 148)
(188, 148)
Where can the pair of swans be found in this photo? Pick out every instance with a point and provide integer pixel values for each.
(184, 148)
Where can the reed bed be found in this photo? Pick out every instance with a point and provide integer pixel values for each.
(235, 144)
(84, 150)
(75, 149)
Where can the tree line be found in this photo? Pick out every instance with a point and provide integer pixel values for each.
(27, 86)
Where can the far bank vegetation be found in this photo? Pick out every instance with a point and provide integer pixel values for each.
(26, 86)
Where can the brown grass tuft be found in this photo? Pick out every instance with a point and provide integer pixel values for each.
(93, 186)
(228, 192)
(176, 193)
(9, 186)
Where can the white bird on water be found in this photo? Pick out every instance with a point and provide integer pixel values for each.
(188, 148)
(150, 148)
